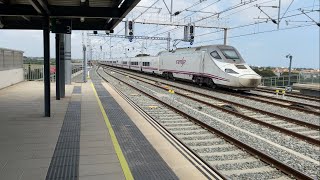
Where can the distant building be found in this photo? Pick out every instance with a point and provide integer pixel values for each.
(306, 74)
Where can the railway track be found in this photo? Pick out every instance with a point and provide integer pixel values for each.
(279, 102)
(208, 152)
(308, 108)
(290, 94)
(310, 134)
(314, 125)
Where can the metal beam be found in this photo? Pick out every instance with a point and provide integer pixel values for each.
(134, 37)
(36, 23)
(83, 11)
(46, 59)
(59, 11)
(17, 10)
(26, 18)
(116, 3)
(44, 5)
(4, 2)
(175, 24)
(36, 5)
(125, 8)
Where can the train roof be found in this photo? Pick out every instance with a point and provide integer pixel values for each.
(197, 48)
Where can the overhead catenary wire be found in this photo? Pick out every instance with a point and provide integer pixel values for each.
(226, 10)
(255, 23)
(140, 14)
(182, 18)
(218, 13)
(284, 16)
(261, 32)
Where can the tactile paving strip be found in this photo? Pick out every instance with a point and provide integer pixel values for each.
(76, 90)
(64, 164)
(143, 160)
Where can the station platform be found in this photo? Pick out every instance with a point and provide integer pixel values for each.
(92, 134)
(308, 89)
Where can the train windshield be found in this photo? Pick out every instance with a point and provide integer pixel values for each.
(230, 54)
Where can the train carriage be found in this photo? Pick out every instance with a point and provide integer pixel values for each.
(214, 65)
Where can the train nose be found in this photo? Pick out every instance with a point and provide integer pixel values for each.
(250, 80)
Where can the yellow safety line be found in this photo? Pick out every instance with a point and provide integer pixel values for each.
(122, 159)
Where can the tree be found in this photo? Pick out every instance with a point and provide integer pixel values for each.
(141, 55)
(265, 72)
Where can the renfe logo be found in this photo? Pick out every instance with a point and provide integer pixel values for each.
(182, 61)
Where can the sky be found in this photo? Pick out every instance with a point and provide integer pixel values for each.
(257, 47)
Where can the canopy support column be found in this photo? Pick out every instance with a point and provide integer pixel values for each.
(46, 59)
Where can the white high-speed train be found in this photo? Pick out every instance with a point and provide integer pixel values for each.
(214, 65)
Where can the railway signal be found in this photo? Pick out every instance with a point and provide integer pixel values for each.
(130, 26)
(191, 31)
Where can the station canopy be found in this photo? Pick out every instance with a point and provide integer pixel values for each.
(82, 14)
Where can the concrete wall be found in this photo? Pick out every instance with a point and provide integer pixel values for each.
(10, 77)
(10, 59)
(11, 67)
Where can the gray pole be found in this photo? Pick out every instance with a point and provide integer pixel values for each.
(67, 52)
(225, 36)
(110, 48)
(58, 89)
(289, 83)
(168, 42)
(62, 68)
(125, 29)
(84, 69)
(278, 25)
(171, 10)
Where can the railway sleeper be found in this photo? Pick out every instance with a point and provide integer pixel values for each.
(298, 105)
(231, 108)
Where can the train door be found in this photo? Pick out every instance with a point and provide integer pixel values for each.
(158, 64)
(201, 69)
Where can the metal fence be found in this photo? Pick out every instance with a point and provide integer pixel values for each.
(282, 81)
(10, 59)
(34, 72)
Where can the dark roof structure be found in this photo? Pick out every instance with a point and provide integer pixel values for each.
(61, 17)
(84, 14)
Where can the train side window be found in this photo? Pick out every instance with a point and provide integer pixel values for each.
(145, 63)
(215, 55)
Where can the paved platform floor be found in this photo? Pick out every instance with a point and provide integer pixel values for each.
(28, 139)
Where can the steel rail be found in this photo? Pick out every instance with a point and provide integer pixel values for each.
(283, 100)
(273, 103)
(264, 157)
(302, 123)
(245, 117)
(290, 94)
(147, 116)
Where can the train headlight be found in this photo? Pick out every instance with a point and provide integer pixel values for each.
(230, 71)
